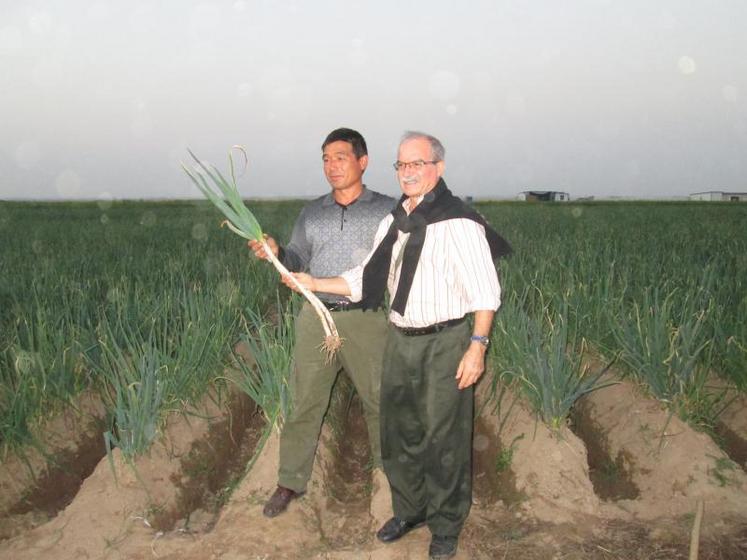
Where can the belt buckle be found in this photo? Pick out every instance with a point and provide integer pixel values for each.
(340, 306)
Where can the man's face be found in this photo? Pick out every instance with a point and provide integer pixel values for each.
(342, 169)
(416, 182)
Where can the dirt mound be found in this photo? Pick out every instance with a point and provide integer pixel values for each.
(534, 495)
(732, 428)
(669, 464)
(548, 470)
(121, 499)
(41, 480)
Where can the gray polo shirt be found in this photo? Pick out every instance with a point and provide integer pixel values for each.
(329, 238)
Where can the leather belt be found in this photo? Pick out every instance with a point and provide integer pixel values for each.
(341, 305)
(430, 329)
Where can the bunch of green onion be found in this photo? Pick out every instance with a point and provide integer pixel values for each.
(239, 219)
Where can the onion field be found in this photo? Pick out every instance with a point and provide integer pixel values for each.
(151, 310)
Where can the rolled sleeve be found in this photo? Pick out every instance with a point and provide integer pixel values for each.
(473, 266)
(354, 279)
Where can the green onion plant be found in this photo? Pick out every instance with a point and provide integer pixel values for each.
(225, 196)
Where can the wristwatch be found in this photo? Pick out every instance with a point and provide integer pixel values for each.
(484, 340)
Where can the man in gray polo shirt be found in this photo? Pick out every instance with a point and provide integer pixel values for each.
(332, 234)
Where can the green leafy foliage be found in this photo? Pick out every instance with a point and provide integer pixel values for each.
(227, 198)
(270, 343)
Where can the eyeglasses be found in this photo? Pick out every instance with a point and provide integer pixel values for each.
(416, 165)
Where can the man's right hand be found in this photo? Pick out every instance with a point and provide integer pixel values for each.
(259, 250)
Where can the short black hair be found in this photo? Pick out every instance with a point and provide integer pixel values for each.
(352, 137)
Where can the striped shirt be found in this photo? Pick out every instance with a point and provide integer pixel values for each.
(454, 276)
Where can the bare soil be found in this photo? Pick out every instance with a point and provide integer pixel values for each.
(43, 479)
(732, 428)
(620, 482)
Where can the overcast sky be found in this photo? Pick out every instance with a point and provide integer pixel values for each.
(596, 97)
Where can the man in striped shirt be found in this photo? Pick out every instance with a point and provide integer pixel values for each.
(435, 257)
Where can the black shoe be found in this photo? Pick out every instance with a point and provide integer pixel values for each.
(442, 547)
(279, 501)
(397, 528)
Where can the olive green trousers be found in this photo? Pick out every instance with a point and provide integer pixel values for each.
(426, 428)
(364, 336)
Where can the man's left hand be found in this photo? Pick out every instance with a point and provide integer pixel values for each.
(471, 366)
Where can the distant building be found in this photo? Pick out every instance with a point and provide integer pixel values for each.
(545, 196)
(720, 196)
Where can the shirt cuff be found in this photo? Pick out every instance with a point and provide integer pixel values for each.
(354, 280)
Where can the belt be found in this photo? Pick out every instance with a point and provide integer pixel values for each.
(430, 329)
(341, 305)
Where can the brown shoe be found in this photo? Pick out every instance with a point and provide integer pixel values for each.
(279, 501)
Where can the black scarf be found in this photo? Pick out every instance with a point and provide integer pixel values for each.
(437, 205)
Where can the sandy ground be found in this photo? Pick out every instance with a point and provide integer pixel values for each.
(621, 481)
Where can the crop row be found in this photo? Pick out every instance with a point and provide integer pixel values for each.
(144, 302)
(657, 288)
(141, 302)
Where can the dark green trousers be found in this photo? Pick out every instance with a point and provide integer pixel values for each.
(364, 336)
(426, 428)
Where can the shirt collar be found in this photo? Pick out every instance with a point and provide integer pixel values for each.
(365, 196)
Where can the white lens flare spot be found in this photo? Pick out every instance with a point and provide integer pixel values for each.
(40, 23)
(24, 361)
(227, 292)
(105, 200)
(104, 219)
(667, 21)
(212, 264)
(148, 219)
(114, 295)
(444, 85)
(245, 89)
(67, 184)
(577, 212)
(451, 109)
(480, 442)
(447, 460)
(730, 93)
(27, 155)
(199, 232)
(686, 65)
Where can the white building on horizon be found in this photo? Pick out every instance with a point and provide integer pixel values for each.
(720, 196)
(545, 196)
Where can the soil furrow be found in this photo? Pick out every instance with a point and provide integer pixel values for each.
(37, 482)
(670, 464)
(117, 511)
(732, 429)
(547, 470)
